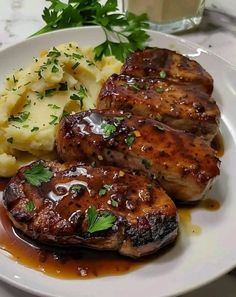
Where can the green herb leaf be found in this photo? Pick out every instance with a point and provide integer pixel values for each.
(30, 206)
(108, 129)
(63, 86)
(80, 96)
(75, 65)
(99, 222)
(34, 129)
(162, 74)
(20, 117)
(104, 189)
(37, 175)
(53, 106)
(147, 164)
(49, 92)
(129, 140)
(54, 119)
(10, 140)
(159, 90)
(55, 69)
(128, 29)
(114, 203)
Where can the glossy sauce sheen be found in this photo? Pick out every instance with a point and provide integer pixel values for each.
(61, 263)
(85, 263)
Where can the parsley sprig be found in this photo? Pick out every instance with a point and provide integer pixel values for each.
(37, 175)
(99, 222)
(124, 32)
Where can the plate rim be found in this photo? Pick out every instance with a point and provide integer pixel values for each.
(177, 39)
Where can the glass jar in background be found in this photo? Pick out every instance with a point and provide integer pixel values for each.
(168, 16)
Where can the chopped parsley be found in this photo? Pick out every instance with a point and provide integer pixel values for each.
(63, 86)
(54, 119)
(54, 53)
(159, 90)
(34, 129)
(90, 63)
(20, 117)
(10, 140)
(30, 206)
(129, 140)
(75, 65)
(53, 106)
(104, 189)
(27, 103)
(114, 203)
(99, 222)
(49, 92)
(77, 56)
(14, 79)
(80, 96)
(55, 69)
(37, 175)
(119, 119)
(147, 164)
(162, 74)
(108, 129)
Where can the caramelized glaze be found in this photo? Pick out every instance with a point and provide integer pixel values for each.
(218, 145)
(84, 263)
(62, 263)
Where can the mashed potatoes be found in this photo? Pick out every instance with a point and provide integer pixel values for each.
(62, 80)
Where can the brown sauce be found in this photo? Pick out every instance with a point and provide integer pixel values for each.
(61, 262)
(218, 144)
(185, 215)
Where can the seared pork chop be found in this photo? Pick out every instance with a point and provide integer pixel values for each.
(180, 105)
(183, 164)
(163, 62)
(101, 208)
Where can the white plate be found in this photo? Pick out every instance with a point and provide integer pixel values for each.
(194, 260)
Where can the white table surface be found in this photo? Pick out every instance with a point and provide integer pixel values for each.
(20, 18)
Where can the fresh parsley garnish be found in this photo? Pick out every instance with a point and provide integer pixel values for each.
(49, 92)
(75, 65)
(10, 140)
(162, 74)
(99, 222)
(53, 106)
(54, 53)
(114, 203)
(34, 129)
(108, 129)
(128, 29)
(147, 164)
(30, 206)
(104, 189)
(159, 90)
(37, 175)
(80, 96)
(63, 86)
(129, 140)
(20, 117)
(54, 120)
(54, 69)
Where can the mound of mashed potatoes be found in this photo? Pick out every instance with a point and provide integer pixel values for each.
(62, 80)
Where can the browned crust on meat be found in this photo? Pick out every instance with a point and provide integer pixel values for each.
(150, 61)
(183, 164)
(146, 218)
(180, 105)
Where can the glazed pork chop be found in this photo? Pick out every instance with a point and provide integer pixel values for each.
(101, 208)
(184, 164)
(160, 62)
(179, 104)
